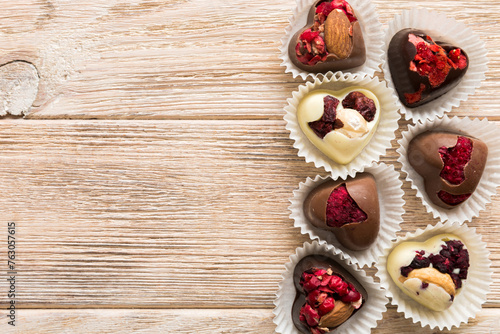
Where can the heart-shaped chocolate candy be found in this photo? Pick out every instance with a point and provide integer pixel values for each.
(421, 69)
(327, 295)
(331, 41)
(430, 272)
(450, 164)
(340, 124)
(350, 209)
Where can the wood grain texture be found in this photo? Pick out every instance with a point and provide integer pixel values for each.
(160, 210)
(150, 180)
(176, 59)
(241, 321)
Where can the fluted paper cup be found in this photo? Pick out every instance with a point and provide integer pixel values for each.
(474, 289)
(361, 322)
(440, 28)
(484, 130)
(378, 144)
(370, 26)
(391, 205)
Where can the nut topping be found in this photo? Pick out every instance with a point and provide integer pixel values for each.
(337, 38)
(340, 313)
(431, 275)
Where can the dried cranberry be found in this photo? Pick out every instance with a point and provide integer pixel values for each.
(310, 314)
(405, 271)
(341, 208)
(455, 159)
(360, 102)
(326, 306)
(328, 121)
(351, 296)
(339, 286)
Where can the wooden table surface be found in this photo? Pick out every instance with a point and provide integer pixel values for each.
(149, 181)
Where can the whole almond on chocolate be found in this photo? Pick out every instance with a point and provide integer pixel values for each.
(309, 50)
(337, 38)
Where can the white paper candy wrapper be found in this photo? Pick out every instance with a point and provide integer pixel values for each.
(370, 26)
(474, 289)
(378, 144)
(361, 322)
(440, 28)
(391, 204)
(489, 133)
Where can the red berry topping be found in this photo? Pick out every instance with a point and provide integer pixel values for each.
(311, 48)
(455, 159)
(360, 102)
(328, 121)
(452, 257)
(321, 297)
(451, 199)
(341, 208)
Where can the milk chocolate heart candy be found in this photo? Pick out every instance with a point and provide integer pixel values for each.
(340, 124)
(327, 295)
(350, 209)
(450, 164)
(430, 272)
(421, 69)
(331, 41)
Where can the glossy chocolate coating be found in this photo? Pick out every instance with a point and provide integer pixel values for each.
(363, 190)
(356, 58)
(424, 157)
(400, 53)
(321, 262)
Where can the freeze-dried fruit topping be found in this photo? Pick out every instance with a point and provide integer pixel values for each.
(452, 259)
(455, 159)
(360, 102)
(341, 208)
(310, 48)
(320, 300)
(328, 121)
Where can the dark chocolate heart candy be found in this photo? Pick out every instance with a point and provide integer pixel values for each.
(421, 69)
(450, 164)
(326, 295)
(349, 209)
(331, 40)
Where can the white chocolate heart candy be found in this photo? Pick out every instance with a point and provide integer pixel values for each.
(342, 144)
(427, 285)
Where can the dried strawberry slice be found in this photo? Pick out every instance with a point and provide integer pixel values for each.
(341, 208)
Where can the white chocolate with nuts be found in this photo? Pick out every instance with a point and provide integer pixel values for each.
(428, 286)
(341, 145)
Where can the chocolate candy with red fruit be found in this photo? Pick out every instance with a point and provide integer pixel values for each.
(451, 165)
(349, 209)
(326, 295)
(331, 40)
(421, 69)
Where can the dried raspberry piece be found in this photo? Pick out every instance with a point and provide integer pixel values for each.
(451, 199)
(360, 102)
(341, 208)
(455, 159)
(328, 121)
